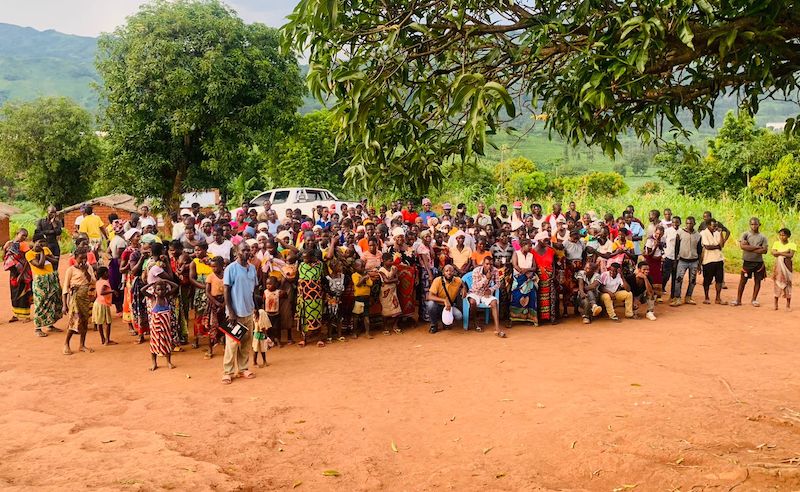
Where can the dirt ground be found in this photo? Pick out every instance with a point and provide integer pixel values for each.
(707, 397)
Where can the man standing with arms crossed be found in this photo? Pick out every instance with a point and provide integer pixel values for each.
(240, 281)
(754, 246)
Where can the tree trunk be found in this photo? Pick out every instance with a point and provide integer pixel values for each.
(172, 202)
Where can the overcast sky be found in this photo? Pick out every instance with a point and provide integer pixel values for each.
(91, 17)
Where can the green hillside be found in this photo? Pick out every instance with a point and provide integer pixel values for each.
(46, 63)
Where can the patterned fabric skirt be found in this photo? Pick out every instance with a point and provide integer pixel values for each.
(140, 320)
(183, 304)
(21, 295)
(504, 303)
(214, 318)
(161, 332)
(390, 305)
(406, 290)
(309, 304)
(548, 298)
(524, 300)
(80, 308)
(46, 299)
(127, 299)
(200, 303)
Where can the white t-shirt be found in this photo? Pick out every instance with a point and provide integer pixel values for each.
(611, 284)
(223, 250)
(707, 238)
(670, 235)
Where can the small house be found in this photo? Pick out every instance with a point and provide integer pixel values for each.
(122, 205)
(6, 211)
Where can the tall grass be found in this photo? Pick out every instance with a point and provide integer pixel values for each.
(734, 213)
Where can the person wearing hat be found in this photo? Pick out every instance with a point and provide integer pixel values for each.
(427, 213)
(517, 220)
(461, 255)
(447, 208)
(442, 298)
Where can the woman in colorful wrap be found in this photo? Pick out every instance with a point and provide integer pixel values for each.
(310, 296)
(545, 258)
(46, 288)
(19, 275)
(199, 270)
(406, 262)
(524, 298)
(79, 296)
(130, 266)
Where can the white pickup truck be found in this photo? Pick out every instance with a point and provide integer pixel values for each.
(306, 199)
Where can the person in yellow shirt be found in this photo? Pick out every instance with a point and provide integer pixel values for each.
(92, 226)
(362, 286)
(783, 250)
(46, 288)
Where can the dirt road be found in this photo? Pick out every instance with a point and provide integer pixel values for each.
(705, 397)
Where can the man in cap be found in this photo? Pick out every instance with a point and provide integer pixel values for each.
(447, 209)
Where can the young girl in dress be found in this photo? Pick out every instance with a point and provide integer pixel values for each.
(101, 310)
(335, 288)
(215, 291)
(390, 305)
(272, 306)
(160, 319)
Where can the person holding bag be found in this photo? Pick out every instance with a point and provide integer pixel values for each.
(442, 296)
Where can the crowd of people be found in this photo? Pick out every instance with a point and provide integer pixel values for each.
(251, 279)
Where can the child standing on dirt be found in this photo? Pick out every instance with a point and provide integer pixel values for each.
(783, 250)
(261, 340)
(362, 287)
(101, 309)
(160, 318)
(272, 306)
(215, 291)
(335, 288)
(390, 304)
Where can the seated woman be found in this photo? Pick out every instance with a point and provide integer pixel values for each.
(485, 279)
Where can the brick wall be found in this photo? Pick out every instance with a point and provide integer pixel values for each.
(4, 232)
(101, 210)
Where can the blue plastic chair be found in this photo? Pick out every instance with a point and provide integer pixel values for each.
(467, 279)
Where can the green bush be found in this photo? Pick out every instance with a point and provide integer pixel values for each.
(650, 188)
(505, 169)
(594, 184)
(780, 184)
(526, 184)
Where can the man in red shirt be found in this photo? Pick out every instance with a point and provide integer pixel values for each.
(409, 215)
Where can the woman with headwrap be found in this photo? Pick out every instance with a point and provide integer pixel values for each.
(19, 275)
(46, 287)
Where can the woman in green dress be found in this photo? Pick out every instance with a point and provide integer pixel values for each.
(310, 296)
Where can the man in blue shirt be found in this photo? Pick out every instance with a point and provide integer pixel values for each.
(240, 281)
(324, 219)
(426, 213)
(637, 232)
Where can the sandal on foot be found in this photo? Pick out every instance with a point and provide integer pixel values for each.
(53, 329)
(756, 304)
(398, 331)
(301, 344)
(734, 303)
(478, 329)
(320, 344)
(248, 374)
(706, 301)
(40, 333)
(386, 332)
(342, 339)
(500, 334)
(226, 379)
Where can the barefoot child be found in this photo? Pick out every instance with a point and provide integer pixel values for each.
(272, 305)
(390, 305)
(261, 340)
(78, 292)
(101, 310)
(160, 292)
(362, 286)
(335, 288)
(215, 291)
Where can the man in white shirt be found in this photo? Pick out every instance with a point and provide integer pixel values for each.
(670, 239)
(713, 240)
(613, 287)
